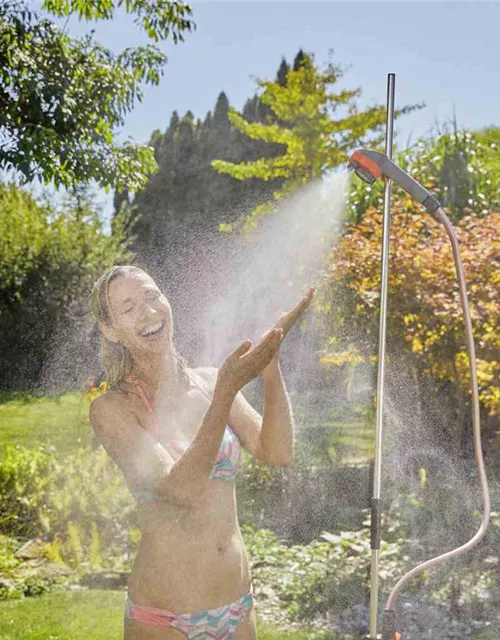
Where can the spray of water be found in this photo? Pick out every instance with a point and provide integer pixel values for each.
(269, 271)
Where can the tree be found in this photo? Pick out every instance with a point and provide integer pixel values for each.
(282, 72)
(48, 262)
(304, 122)
(62, 99)
(186, 197)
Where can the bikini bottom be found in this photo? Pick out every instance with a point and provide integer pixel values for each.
(220, 623)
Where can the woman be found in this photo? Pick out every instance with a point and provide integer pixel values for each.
(167, 428)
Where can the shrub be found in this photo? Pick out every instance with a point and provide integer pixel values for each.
(48, 262)
(78, 502)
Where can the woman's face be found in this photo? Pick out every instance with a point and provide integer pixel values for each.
(141, 314)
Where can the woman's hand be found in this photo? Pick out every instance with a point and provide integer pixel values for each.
(287, 320)
(242, 365)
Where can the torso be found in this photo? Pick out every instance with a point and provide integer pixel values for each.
(188, 560)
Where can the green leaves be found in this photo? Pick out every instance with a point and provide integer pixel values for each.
(82, 496)
(62, 99)
(158, 18)
(48, 260)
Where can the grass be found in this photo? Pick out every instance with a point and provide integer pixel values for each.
(89, 615)
(98, 615)
(30, 421)
(343, 432)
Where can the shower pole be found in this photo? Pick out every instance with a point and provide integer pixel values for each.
(376, 502)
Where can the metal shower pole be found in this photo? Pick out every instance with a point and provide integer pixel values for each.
(376, 510)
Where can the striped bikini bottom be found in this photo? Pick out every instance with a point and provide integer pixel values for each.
(220, 623)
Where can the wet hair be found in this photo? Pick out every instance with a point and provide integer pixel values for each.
(115, 357)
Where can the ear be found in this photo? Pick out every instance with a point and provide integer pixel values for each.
(108, 332)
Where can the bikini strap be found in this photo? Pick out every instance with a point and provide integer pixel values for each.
(147, 404)
(133, 378)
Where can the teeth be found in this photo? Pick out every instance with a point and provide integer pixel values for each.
(153, 329)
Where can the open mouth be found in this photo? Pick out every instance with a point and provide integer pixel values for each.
(154, 330)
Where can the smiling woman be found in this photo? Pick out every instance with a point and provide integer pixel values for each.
(117, 303)
(191, 573)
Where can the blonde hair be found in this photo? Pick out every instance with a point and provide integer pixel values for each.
(114, 356)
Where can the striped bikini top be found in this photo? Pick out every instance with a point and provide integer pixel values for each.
(228, 457)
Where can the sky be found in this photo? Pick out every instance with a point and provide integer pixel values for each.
(446, 54)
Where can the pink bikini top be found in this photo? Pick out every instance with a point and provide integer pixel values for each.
(228, 457)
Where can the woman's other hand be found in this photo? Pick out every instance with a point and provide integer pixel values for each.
(285, 322)
(288, 318)
(244, 363)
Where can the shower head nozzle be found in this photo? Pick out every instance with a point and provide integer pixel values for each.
(371, 165)
(364, 167)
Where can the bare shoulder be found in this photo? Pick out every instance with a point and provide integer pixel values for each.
(141, 458)
(110, 410)
(109, 404)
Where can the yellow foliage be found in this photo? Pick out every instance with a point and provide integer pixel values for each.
(75, 542)
(351, 357)
(95, 547)
(94, 392)
(53, 550)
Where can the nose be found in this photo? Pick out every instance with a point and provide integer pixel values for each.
(148, 311)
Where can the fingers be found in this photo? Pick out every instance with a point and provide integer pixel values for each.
(269, 343)
(306, 300)
(288, 319)
(243, 348)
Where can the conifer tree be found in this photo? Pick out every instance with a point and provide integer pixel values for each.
(282, 72)
(305, 122)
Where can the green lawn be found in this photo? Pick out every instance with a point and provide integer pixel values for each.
(31, 421)
(88, 615)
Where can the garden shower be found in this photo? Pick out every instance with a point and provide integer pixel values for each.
(369, 166)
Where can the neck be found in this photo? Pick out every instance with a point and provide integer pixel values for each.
(160, 370)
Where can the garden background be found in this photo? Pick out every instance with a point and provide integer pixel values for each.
(202, 188)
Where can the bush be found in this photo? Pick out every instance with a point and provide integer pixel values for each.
(329, 578)
(13, 584)
(81, 506)
(325, 576)
(48, 262)
(78, 502)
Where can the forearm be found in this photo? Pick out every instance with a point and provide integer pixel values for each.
(189, 476)
(276, 436)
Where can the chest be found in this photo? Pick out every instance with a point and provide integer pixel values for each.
(178, 418)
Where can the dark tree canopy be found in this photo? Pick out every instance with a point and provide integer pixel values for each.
(62, 99)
